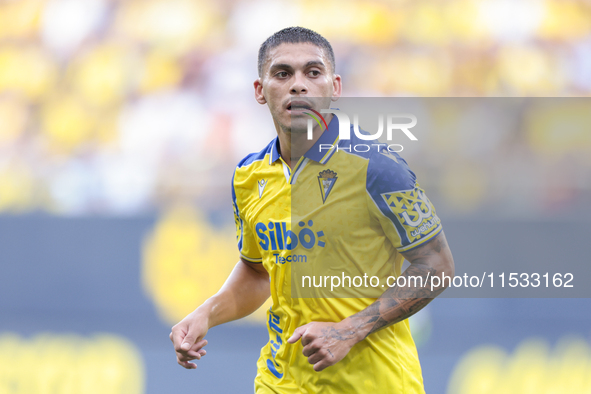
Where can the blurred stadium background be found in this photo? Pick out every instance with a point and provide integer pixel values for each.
(121, 123)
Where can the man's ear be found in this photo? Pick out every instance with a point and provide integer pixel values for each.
(258, 92)
(337, 87)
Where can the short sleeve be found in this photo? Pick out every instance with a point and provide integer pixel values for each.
(406, 214)
(245, 238)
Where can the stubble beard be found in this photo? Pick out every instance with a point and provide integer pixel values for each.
(297, 126)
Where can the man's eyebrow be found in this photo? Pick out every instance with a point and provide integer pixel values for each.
(314, 63)
(284, 66)
(288, 67)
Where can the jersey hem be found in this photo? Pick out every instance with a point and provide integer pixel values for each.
(251, 260)
(421, 241)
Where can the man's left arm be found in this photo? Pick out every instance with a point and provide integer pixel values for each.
(327, 343)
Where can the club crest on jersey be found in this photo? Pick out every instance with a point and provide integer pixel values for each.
(326, 180)
(262, 183)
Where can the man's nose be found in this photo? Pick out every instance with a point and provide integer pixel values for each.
(299, 84)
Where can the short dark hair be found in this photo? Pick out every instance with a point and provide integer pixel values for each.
(294, 35)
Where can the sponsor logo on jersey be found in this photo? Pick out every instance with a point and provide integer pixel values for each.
(275, 236)
(274, 322)
(262, 183)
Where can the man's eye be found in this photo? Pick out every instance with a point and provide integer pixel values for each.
(282, 74)
(314, 73)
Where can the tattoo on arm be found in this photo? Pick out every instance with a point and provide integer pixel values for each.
(338, 334)
(399, 303)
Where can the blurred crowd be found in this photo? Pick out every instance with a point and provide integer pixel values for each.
(123, 107)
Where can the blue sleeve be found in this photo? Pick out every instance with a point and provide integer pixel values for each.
(407, 216)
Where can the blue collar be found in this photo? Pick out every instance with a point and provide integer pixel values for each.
(329, 137)
(274, 151)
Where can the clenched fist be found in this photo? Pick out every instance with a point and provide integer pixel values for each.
(325, 344)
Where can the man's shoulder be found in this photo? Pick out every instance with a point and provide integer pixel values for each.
(248, 170)
(260, 156)
(388, 172)
(386, 169)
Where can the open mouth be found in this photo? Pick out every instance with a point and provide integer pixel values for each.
(298, 106)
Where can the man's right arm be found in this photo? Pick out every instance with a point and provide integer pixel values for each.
(245, 290)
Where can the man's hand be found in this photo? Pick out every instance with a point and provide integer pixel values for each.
(187, 338)
(245, 290)
(325, 344)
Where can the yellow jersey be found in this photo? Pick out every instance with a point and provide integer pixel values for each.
(341, 209)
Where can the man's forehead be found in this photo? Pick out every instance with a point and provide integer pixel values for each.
(295, 54)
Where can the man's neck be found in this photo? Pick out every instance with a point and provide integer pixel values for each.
(292, 146)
